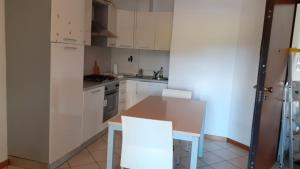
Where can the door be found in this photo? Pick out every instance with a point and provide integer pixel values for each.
(125, 28)
(145, 30)
(278, 26)
(66, 104)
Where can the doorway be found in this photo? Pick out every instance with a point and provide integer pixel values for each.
(277, 38)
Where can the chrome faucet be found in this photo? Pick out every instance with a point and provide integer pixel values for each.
(158, 74)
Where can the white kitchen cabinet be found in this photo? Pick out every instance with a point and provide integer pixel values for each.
(125, 28)
(137, 91)
(68, 21)
(145, 30)
(145, 89)
(122, 96)
(163, 33)
(130, 93)
(66, 98)
(88, 22)
(112, 25)
(93, 112)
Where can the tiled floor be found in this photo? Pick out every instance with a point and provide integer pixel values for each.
(218, 155)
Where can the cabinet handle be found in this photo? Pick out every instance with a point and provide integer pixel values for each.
(70, 47)
(112, 44)
(144, 47)
(70, 39)
(126, 46)
(96, 91)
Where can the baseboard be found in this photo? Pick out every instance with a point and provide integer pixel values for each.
(215, 138)
(228, 140)
(238, 144)
(4, 164)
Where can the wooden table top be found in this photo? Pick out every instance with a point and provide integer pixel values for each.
(186, 115)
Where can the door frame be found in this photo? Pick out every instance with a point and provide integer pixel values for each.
(264, 51)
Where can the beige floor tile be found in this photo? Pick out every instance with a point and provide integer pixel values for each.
(64, 166)
(239, 151)
(223, 165)
(210, 146)
(99, 156)
(88, 166)
(98, 145)
(207, 167)
(82, 158)
(117, 161)
(211, 158)
(240, 162)
(226, 154)
(223, 144)
(201, 163)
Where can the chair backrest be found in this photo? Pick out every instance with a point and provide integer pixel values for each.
(177, 93)
(146, 144)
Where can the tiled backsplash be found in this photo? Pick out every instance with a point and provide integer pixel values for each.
(99, 54)
(148, 60)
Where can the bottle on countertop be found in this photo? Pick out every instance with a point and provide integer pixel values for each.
(96, 69)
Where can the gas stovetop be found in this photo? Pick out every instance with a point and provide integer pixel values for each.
(99, 78)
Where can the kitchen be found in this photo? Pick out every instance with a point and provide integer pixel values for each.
(72, 65)
(103, 55)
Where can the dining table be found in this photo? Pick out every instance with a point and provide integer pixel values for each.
(187, 117)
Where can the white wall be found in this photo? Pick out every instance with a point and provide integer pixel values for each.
(245, 70)
(148, 60)
(3, 118)
(203, 50)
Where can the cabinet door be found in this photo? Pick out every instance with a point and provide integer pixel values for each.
(66, 98)
(67, 21)
(145, 30)
(145, 89)
(76, 22)
(163, 35)
(59, 20)
(88, 22)
(130, 93)
(125, 28)
(93, 112)
(112, 25)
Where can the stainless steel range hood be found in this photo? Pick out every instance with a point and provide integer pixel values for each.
(103, 16)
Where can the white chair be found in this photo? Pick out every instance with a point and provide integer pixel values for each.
(183, 95)
(147, 144)
(177, 93)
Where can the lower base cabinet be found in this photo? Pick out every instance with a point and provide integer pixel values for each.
(133, 92)
(93, 112)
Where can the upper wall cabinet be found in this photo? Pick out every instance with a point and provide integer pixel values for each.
(67, 26)
(163, 35)
(125, 28)
(145, 30)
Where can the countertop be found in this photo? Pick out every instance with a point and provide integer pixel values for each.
(88, 85)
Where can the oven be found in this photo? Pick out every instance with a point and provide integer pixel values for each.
(111, 100)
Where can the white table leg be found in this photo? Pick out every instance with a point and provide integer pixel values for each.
(110, 148)
(201, 147)
(194, 153)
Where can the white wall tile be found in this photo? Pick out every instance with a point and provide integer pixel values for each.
(148, 60)
(99, 54)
